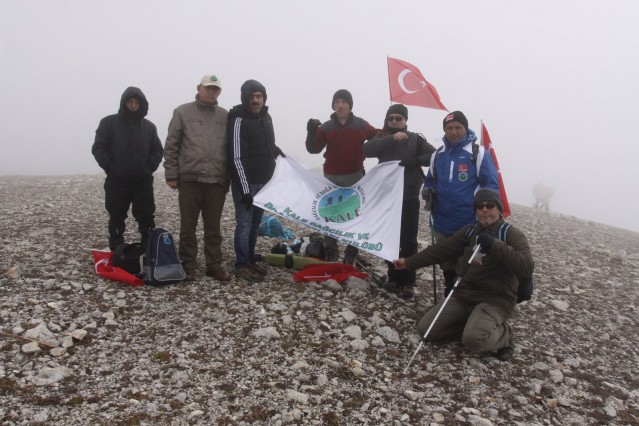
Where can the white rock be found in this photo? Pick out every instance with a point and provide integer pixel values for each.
(49, 375)
(439, 417)
(378, 341)
(66, 342)
(348, 315)
(353, 331)
(556, 376)
(41, 417)
(389, 334)
(322, 380)
(359, 344)
(30, 348)
(267, 332)
(559, 304)
(297, 396)
(111, 322)
(301, 365)
(358, 371)
(14, 272)
(79, 334)
(475, 420)
(58, 351)
(414, 396)
(196, 413)
(42, 334)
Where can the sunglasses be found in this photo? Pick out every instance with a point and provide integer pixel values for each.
(489, 205)
(397, 118)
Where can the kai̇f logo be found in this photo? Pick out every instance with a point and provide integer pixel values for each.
(338, 204)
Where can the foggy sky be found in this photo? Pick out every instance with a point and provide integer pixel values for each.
(553, 81)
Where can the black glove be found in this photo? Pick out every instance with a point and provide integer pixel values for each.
(247, 199)
(427, 196)
(277, 152)
(409, 162)
(485, 240)
(312, 125)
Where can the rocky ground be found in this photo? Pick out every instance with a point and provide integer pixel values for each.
(285, 353)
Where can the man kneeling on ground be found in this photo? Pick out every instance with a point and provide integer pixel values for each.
(486, 297)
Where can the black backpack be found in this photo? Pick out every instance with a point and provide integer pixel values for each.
(526, 284)
(315, 247)
(162, 263)
(129, 257)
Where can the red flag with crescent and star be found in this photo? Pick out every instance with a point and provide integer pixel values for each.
(409, 87)
(488, 145)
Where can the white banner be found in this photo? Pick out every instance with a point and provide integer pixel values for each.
(366, 215)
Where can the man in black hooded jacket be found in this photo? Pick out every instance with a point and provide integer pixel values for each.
(252, 153)
(129, 150)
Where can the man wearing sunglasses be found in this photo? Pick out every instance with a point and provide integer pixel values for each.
(396, 143)
(457, 171)
(485, 298)
(342, 136)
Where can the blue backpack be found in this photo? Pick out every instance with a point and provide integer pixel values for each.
(162, 263)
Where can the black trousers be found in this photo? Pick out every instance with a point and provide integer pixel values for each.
(407, 242)
(119, 196)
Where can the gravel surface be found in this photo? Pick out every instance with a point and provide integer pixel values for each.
(77, 349)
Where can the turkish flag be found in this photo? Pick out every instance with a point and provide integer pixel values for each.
(105, 269)
(409, 87)
(487, 144)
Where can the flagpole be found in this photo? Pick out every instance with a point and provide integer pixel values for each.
(390, 95)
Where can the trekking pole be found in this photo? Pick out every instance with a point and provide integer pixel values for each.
(379, 279)
(423, 339)
(432, 241)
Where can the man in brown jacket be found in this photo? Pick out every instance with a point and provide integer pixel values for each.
(486, 296)
(195, 163)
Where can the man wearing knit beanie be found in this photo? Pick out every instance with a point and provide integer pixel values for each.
(457, 171)
(395, 143)
(484, 299)
(488, 195)
(342, 136)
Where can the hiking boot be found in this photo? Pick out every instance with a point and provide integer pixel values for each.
(331, 254)
(407, 292)
(392, 287)
(218, 273)
(247, 274)
(258, 269)
(350, 254)
(189, 274)
(505, 354)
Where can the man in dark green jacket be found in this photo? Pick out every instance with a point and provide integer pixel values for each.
(485, 299)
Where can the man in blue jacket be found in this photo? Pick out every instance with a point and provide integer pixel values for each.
(457, 171)
(128, 149)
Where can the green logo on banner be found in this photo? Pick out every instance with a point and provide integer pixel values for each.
(340, 205)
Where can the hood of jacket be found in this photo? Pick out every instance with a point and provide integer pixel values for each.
(248, 88)
(134, 92)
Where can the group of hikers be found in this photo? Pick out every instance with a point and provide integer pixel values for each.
(209, 150)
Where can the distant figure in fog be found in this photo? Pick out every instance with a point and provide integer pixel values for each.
(128, 149)
(542, 195)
